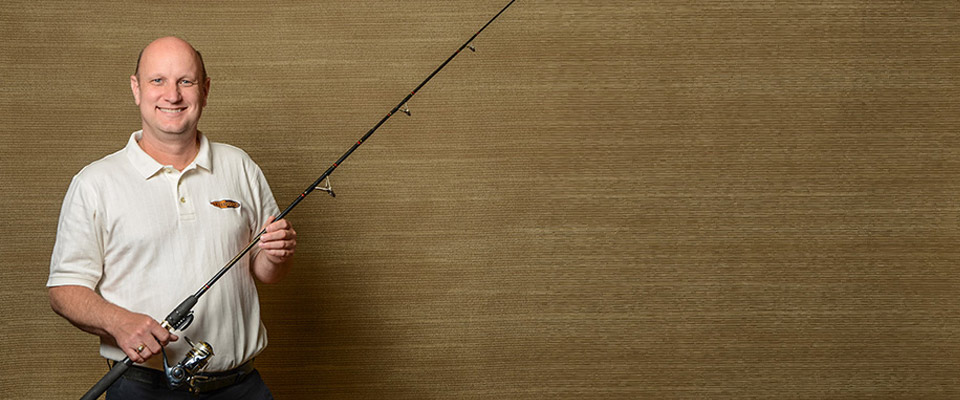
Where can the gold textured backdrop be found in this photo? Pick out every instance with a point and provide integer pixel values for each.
(609, 199)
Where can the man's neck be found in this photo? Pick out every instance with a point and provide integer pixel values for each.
(176, 150)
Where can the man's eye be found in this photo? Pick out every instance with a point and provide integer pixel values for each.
(186, 82)
(156, 80)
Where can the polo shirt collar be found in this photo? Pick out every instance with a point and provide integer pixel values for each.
(146, 166)
(203, 159)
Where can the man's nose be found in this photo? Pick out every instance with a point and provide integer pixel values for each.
(171, 93)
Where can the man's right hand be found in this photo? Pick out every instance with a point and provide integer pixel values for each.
(139, 336)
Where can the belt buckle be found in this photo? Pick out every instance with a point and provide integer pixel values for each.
(195, 382)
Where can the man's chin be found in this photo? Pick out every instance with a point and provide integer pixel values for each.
(173, 131)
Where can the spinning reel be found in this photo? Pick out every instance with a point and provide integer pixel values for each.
(186, 370)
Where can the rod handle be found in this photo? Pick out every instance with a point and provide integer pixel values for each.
(108, 379)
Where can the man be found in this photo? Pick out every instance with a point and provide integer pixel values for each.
(147, 226)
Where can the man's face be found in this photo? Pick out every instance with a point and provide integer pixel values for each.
(169, 88)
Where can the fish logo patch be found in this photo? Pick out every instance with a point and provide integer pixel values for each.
(225, 204)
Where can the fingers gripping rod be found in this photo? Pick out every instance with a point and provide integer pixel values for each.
(181, 316)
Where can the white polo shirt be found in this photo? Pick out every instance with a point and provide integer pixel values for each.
(145, 236)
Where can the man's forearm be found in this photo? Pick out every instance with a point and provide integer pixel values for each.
(268, 271)
(138, 335)
(84, 308)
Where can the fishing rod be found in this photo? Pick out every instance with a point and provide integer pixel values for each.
(181, 317)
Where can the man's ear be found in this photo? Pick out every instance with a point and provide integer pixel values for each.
(135, 88)
(206, 90)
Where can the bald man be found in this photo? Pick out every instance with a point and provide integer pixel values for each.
(145, 227)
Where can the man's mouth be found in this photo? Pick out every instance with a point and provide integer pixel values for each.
(170, 110)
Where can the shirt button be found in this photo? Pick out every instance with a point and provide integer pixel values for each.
(183, 199)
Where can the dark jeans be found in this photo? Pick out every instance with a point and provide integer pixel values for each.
(250, 388)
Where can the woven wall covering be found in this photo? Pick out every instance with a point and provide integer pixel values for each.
(611, 199)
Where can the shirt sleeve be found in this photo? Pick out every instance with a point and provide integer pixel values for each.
(78, 252)
(267, 204)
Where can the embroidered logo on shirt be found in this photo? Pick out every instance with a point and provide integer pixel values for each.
(225, 204)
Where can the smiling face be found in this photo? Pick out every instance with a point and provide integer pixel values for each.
(170, 89)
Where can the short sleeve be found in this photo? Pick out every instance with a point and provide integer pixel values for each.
(264, 197)
(78, 252)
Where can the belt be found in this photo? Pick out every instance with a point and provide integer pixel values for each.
(202, 383)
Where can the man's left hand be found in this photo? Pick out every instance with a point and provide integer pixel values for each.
(280, 241)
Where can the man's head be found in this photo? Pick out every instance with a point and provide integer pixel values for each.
(170, 86)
